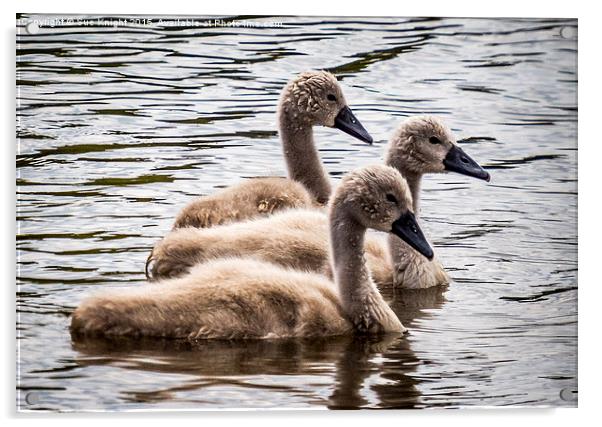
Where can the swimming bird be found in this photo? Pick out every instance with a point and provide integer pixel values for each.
(237, 298)
(311, 99)
(421, 145)
(299, 238)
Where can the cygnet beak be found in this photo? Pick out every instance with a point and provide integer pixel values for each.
(349, 124)
(406, 227)
(458, 161)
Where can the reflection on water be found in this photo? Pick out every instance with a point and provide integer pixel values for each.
(214, 368)
(119, 127)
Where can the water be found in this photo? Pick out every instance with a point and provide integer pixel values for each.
(119, 127)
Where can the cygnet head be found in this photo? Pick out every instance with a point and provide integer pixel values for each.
(315, 98)
(424, 144)
(378, 197)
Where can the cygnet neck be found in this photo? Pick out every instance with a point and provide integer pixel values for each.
(361, 301)
(302, 159)
(413, 179)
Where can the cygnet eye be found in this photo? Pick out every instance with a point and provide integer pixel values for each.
(434, 140)
(331, 97)
(391, 198)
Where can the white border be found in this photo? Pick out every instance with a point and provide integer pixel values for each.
(589, 193)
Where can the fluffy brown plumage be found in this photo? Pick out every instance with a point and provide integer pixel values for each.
(231, 298)
(296, 239)
(248, 298)
(251, 198)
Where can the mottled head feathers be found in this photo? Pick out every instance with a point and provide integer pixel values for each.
(312, 98)
(375, 195)
(420, 145)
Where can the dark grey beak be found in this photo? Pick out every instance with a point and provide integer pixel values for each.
(458, 161)
(349, 124)
(408, 230)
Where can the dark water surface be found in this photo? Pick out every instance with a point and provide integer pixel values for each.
(119, 127)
